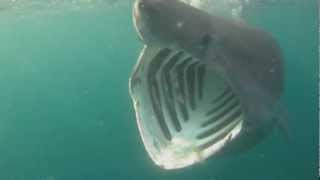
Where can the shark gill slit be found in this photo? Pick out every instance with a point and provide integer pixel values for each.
(220, 135)
(155, 92)
(176, 84)
(224, 117)
(201, 75)
(221, 103)
(191, 83)
(181, 84)
(168, 90)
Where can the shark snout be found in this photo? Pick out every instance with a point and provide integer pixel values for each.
(141, 8)
(148, 7)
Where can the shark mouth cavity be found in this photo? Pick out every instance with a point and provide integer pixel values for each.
(185, 111)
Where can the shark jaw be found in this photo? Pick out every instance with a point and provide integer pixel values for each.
(185, 112)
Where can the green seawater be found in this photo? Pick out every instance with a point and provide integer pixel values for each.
(65, 110)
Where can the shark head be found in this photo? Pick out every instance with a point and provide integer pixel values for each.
(202, 83)
(169, 22)
(150, 18)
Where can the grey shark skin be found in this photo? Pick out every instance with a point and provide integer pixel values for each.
(203, 85)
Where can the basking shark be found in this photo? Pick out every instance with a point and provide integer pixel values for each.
(203, 85)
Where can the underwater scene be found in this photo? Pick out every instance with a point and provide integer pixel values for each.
(159, 89)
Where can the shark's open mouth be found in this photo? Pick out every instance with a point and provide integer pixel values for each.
(185, 112)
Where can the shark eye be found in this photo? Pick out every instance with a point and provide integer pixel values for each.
(141, 5)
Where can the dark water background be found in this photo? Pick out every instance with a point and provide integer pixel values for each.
(65, 111)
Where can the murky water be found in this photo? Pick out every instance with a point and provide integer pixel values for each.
(66, 111)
